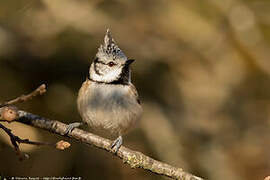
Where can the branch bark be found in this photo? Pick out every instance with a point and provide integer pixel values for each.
(134, 158)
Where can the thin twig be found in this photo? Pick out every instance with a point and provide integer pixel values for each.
(39, 91)
(15, 140)
(19, 140)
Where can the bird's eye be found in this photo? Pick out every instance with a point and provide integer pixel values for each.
(111, 64)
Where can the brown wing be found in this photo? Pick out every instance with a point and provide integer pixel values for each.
(134, 92)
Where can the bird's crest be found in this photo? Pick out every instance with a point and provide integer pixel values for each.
(110, 48)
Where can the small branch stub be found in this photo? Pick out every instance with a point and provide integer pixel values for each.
(8, 113)
(62, 145)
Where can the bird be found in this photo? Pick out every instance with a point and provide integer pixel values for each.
(107, 101)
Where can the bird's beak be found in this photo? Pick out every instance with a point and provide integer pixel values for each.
(128, 62)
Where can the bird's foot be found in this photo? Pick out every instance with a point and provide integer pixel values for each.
(117, 144)
(72, 126)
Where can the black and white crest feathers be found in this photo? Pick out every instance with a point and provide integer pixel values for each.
(110, 49)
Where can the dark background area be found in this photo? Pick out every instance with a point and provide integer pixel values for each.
(202, 71)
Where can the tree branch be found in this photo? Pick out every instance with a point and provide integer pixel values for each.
(134, 158)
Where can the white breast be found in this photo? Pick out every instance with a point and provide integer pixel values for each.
(109, 108)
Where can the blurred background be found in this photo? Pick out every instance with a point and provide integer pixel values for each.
(202, 71)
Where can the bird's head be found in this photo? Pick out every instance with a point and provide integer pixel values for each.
(110, 64)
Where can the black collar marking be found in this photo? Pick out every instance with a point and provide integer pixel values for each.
(116, 82)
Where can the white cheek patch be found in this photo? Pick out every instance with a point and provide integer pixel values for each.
(108, 77)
